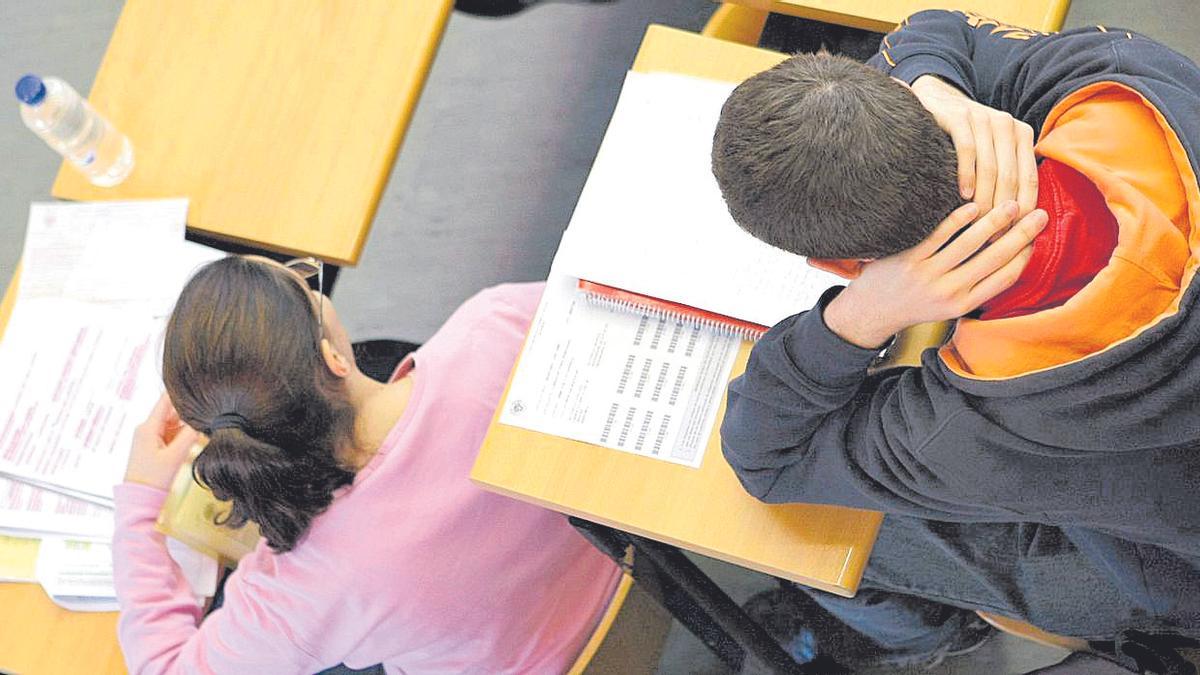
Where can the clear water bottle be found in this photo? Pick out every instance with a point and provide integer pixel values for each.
(62, 118)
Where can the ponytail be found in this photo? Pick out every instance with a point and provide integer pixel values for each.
(279, 490)
(242, 362)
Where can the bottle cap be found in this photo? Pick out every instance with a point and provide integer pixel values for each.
(31, 90)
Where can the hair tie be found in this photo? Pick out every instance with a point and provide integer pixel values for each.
(230, 420)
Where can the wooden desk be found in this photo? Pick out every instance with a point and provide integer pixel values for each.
(278, 119)
(704, 510)
(882, 16)
(37, 636)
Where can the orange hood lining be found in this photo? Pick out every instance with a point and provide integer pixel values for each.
(1157, 251)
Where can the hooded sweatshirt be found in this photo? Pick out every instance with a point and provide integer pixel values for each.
(1084, 416)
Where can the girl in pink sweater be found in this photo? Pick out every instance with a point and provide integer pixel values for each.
(377, 547)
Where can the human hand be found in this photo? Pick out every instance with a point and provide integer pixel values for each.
(938, 279)
(160, 445)
(995, 151)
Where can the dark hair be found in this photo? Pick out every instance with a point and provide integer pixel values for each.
(243, 344)
(823, 156)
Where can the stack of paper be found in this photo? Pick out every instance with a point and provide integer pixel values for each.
(18, 559)
(631, 382)
(651, 220)
(80, 355)
(78, 575)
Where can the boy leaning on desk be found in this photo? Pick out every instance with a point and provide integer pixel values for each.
(1042, 464)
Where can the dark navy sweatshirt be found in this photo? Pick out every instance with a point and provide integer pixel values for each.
(1105, 450)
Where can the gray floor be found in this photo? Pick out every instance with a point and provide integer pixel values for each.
(494, 160)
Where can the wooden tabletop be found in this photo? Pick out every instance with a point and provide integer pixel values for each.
(40, 637)
(37, 636)
(278, 119)
(883, 15)
(703, 510)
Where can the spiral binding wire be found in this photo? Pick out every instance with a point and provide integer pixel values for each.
(622, 305)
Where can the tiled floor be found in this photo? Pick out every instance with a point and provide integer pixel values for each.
(493, 162)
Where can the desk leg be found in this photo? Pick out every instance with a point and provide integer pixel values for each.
(694, 600)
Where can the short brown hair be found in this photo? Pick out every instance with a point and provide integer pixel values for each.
(244, 341)
(826, 157)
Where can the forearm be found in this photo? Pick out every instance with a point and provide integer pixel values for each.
(158, 611)
(798, 374)
(855, 320)
(996, 64)
(160, 627)
(806, 423)
(1023, 72)
(934, 42)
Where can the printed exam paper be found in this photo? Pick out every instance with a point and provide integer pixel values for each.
(622, 380)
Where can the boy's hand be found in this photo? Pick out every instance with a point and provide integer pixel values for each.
(995, 151)
(160, 446)
(938, 279)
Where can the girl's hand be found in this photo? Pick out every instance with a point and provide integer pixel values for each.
(160, 445)
(943, 277)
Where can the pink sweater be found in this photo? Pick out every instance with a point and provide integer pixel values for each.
(412, 565)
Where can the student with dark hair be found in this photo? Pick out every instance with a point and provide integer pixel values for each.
(1043, 464)
(378, 548)
(822, 156)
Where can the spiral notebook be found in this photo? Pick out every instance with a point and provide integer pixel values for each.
(628, 301)
(652, 239)
(651, 231)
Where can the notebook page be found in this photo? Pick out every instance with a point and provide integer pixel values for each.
(103, 252)
(630, 382)
(82, 349)
(651, 218)
(80, 379)
(28, 510)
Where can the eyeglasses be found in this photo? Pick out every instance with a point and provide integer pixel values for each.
(306, 269)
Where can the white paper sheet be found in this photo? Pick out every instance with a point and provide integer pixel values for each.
(79, 378)
(103, 252)
(621, 380)
(30, 511)
(82, 349)
(78, 575)
(200, 571)
(651, 218)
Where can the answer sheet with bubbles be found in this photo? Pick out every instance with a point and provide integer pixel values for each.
(624, 380)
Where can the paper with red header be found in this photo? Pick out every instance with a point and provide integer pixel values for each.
(82, 348)
(632, 382)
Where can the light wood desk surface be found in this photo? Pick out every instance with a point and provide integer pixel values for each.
(703, 510)
(279, 119)
(38, 637)
(883, 15)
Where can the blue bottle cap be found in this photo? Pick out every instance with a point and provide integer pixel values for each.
(31, 90)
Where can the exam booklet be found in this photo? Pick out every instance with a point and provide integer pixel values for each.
(82, 347)
(627, 381)
(652, 287)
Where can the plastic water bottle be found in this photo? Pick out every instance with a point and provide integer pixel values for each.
(62, 118)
